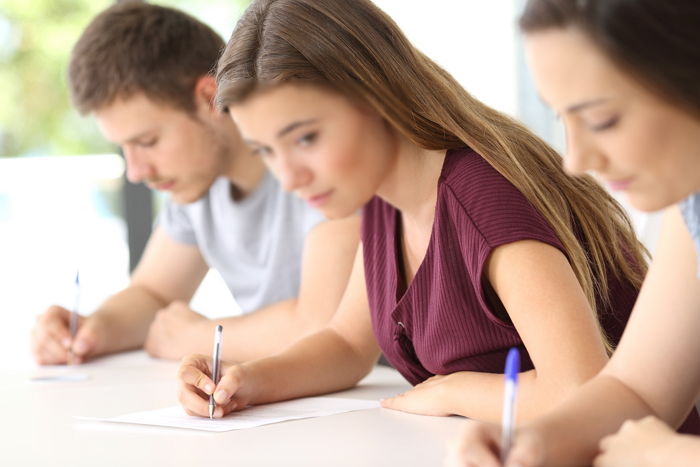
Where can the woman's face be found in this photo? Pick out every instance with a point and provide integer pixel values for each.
(634, 140)
(321, 146)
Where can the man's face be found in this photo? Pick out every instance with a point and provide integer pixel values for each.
(166, 148)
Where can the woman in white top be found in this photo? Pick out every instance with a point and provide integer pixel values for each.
(624, 76)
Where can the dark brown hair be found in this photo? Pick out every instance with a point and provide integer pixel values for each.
(655, 41)
(135, 47)
(354, 48)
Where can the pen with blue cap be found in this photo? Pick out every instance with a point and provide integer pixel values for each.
(215, 364)
(509, 396)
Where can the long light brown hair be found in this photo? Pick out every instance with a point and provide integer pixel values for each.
(357, 50)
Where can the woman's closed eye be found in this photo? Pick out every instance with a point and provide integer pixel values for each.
(606, 124)
(149, 143)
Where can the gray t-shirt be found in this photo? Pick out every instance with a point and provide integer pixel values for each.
(255, 243)
(690, 207)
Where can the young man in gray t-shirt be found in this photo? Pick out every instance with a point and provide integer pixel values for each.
(144, 72)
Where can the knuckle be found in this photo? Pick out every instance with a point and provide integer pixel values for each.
(188, 360)
(648, 420)
(182, 371)
(628, 424)
(201, 381)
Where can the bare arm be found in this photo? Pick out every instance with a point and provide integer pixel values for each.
(329, 250)
(544, 300)
(332, 359)
(654, 371)
(167, 271)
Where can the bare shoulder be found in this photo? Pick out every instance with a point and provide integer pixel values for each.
(334, 230)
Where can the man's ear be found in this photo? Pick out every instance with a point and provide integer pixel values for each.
(205, 92)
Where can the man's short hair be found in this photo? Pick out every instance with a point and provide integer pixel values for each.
(135, 47)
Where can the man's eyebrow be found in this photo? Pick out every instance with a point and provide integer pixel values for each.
(137, 136)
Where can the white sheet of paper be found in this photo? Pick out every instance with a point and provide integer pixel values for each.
(308, 407)
(59, 377)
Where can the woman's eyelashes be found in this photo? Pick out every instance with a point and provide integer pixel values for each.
(605, 125)
(305, 140)
(149, 143)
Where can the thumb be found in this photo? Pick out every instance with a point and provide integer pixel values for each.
(527, 451)
(86, 339)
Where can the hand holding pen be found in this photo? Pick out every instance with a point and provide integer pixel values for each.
(208, 387)
(479, 443)
(62, 336)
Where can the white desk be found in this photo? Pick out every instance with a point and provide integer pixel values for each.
(38, 426)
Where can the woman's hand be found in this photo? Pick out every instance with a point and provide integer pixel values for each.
(234, 391)
(479, 445)
(643, 443)
(426, 398)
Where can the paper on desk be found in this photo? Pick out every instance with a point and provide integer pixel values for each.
(59, 377)
(308, 407)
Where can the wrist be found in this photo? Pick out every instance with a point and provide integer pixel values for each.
(94, 331)
(674, 450)
(448, 398)
(258, 376)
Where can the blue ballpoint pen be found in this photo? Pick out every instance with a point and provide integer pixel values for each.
(215, 364)
(73, 319)
(509, 396)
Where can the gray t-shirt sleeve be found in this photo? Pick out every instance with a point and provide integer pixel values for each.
(176, 222)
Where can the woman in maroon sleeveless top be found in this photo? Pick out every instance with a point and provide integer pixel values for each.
(474, 240)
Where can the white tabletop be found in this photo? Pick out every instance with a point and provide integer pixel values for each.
(38, 427)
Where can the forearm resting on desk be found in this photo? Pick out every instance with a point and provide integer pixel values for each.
(321, 363)
(122, 321)
(177, 331)
(479, 396)
(263, 333)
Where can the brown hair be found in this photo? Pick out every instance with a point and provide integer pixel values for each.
(135, 47)
(357, 50)
(656, 42)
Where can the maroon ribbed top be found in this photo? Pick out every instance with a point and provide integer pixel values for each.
(444, 322)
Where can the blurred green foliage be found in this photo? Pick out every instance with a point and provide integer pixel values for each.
(36, 37)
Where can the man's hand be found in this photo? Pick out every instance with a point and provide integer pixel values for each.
(51, 339)
(177, 331)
